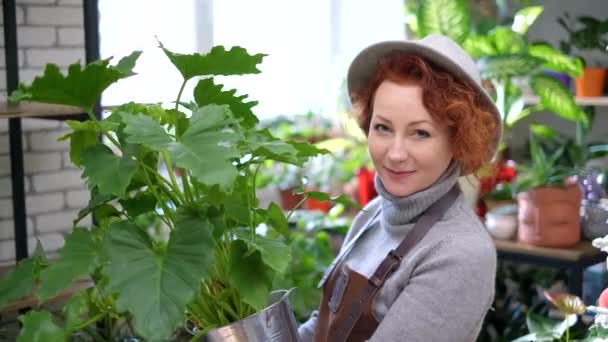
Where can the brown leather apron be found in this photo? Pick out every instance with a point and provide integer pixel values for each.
(346, 310)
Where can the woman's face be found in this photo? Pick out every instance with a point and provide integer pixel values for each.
(410, 151)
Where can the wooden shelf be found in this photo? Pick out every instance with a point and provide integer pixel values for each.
(36, 109)
(584, 101)
(577, 252)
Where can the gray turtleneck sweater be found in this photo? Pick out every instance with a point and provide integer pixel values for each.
(444, 287)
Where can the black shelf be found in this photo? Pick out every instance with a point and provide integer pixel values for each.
(14, 114)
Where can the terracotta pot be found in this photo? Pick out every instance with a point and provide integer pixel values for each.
(549, 216)
(313, 204)
(591, 83)
(288, 199)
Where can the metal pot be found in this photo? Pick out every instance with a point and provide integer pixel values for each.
(276, 323)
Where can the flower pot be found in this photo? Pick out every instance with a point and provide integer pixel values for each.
(288, 199)
(313, 204)
(501, 222)
(275, 323)
(591, 83)
(549, 216)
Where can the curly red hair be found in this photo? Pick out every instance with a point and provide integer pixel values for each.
(448, 99)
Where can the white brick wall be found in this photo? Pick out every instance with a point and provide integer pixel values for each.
(36, 36)
(44, 203)
(69, 36)
(55, 222)
(62, 57)
(5, 186)
(65, 179)
(77, 198)
(49, 31)
(59, 16)
(20, 55)
(20, 14)
(7, 231)
(47, 140)
(37, 162)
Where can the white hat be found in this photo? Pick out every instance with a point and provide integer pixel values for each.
(439, 50)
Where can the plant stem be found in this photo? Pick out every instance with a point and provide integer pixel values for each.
(186, 183)
(179, 94)
(296, 207)
(166, 210)
(169, 191)
(106, 134)
(89, 322)
(167, 160)
(567, 334)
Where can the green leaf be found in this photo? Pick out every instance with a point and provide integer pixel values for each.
(80, 88)
(142, 129)
(544, 132)
(507, 42)
(555, 60)
(84, 135)
(95, 201)
(155, 284)
(237, 204)
(207, 92)
(207, 148)
(479, 46)
(539, 324)
(75, 311)
(306, 150)
(75, 260)
(38, 326)
(141, 203)
(525, 17)
(495, 67)
(557, 98)
(17, 284)
(277, 219)
(262, 143)
(218, 61)
(323, 196)
(447, 17)
(126, 64)
(248, 273)
(111, 174)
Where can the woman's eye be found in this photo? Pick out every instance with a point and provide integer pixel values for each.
(421, 133)
(381, 128)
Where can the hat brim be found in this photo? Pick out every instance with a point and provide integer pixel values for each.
(363, 66)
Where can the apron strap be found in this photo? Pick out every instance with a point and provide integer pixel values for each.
(393, 259)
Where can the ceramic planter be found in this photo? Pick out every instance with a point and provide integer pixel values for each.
(591, 83)
(549, 216)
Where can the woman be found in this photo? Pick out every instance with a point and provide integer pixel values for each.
(417, 264)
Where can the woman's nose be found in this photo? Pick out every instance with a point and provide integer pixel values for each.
(397, 151)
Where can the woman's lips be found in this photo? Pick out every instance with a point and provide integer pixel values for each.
(398, 175)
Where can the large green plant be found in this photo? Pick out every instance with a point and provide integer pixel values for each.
(591, 35)
(505, 56)
(544, 168)
(210, 265)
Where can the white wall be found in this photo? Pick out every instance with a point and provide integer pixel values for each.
(48, 31)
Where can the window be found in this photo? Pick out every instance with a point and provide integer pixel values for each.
(309, 45)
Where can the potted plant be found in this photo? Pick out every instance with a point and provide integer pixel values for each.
(548, 205)
(590, 37)
(208, 263)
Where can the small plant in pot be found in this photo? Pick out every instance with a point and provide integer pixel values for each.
(212, 265)
(588, 36)
(548, 205)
